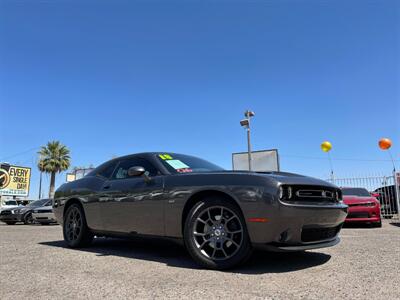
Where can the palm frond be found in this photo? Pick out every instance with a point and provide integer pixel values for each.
(54, 157)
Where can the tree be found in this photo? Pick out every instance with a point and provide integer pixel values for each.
(54, 158)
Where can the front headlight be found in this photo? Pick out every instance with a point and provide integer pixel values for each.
(281, 193)
(285, 192)
(15, 211)
(339, 196)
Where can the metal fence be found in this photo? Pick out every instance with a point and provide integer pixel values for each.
(382, 187)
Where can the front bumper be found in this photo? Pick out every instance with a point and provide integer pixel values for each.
(11, 218)
(363, 214)
(292, 227)
(44, 217)
(285, 248)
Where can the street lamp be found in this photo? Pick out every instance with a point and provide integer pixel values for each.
(41, 172)
(245, 123)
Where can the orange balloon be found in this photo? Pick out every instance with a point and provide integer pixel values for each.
(385, 143)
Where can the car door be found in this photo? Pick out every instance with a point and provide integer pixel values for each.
(133, 204)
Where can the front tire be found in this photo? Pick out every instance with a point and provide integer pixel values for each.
(215, 234)
(28, 219)
(75, 229)
(378, 224)
(11, 223)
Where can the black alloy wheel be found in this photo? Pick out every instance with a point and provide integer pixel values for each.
(215, 234)
(75, 230)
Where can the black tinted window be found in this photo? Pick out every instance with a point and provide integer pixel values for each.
(38, 203)
(121, 171)
(359, 192)
(106, 169)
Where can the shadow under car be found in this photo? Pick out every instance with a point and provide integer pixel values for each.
(173, 254)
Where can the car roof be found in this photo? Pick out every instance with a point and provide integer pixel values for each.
(149, 154)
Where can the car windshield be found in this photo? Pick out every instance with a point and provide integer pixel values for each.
(358, 192)
(179, 163)
(38, 203)
(10, 202)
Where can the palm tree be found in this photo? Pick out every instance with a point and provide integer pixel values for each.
(54, 158)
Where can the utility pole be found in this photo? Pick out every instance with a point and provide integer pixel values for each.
(245, 123)
(40, 180)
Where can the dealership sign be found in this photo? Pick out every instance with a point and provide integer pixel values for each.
(14, 180)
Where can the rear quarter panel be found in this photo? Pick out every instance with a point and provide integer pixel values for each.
(84, 190)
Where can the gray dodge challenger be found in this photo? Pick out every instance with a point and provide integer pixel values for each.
(220, 215)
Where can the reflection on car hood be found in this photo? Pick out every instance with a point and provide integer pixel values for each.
(285, 178)
(289, 178)
(277, 177)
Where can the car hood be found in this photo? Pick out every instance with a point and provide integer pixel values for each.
(6, 207)
(291, 178)
(280, 177)
(357, 200)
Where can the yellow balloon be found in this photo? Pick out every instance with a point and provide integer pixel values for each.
(326, 146)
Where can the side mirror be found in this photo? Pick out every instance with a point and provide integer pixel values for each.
(136, 171)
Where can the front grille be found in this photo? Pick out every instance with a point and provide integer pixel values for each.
(5, 212)
(310, 194)
(356, 215)
(318, 234)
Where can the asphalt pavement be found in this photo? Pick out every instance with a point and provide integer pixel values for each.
(35, 264)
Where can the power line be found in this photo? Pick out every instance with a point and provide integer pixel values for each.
(18, 154)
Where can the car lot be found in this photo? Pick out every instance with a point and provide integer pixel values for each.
(35, 264)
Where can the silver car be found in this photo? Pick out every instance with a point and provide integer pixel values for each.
(44, 215)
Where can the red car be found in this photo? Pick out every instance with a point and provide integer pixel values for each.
(363, 208)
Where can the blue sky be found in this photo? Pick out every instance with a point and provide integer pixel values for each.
(118, 77)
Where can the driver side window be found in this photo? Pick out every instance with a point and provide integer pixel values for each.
(121, 172)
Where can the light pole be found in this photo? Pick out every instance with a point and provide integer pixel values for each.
(41, 172)
(245, 123)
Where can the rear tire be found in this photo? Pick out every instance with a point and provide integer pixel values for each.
(215, 234)
(11, 223)
(75, 230)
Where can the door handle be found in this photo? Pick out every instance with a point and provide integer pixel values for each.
(106, 187)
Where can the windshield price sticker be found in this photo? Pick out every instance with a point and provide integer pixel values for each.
(177, 164)
(165, 156)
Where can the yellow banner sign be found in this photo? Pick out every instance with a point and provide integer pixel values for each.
(14, 180)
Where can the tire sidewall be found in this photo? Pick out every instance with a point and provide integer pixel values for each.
(241, 255)
(84, 236)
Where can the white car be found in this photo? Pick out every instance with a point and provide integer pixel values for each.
(9, 204)
(44, 215)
